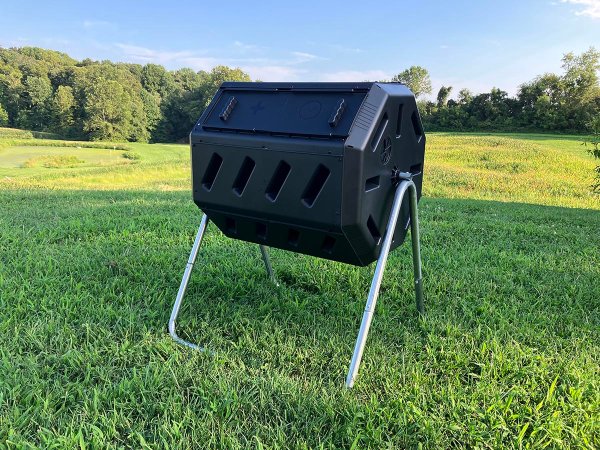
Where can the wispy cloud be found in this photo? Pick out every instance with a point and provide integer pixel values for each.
(243, 46)
(590, 8)
(274, 73)
(356, 75)
(91, 24)
(302, 57)
(182, 58)
(266, 69)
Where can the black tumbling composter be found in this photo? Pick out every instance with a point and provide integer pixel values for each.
(308, 167)
(314, 168)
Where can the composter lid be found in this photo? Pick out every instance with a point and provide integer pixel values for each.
(321, 110)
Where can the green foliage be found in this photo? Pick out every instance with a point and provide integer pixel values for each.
(53, 161)
(550, 102)
(44, 90)
(443, 95)
(3, 116)
(134, 156)
(594, 142)
(416, 78)
(62, 111)
(14, 133)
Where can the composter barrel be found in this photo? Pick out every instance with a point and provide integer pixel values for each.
(307, 167)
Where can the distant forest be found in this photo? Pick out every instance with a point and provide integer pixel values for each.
(45, 90)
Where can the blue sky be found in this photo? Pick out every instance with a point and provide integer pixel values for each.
(474, 44)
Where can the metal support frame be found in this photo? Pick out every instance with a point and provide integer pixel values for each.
(380, 267)
(264, 250)
(406, 184)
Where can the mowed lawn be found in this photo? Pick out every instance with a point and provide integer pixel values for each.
(507, 355)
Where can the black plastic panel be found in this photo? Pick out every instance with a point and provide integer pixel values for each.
(297, 113)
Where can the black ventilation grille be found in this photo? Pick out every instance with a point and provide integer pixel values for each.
(261, 230)
(277, 181)
(293, 237)
(379, 133)
(315, 185)
(399, 120)
(372, 183)
(211, 172)
(231, 225)
(372, 226)
(416, 123)
(327, 245)
(243, 176)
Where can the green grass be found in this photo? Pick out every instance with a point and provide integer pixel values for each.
(507, 356)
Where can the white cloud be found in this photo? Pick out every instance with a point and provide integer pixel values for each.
(302, 57)
(356, 75)
(258, 68)
(89, 24)
(589, 8)
(266, 69)
(243, 46)
(274, 73)
(168, 58)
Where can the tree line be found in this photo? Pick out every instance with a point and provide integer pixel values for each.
(46, 90)
(568, 102)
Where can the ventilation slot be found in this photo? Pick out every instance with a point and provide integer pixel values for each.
(293, 237)
(327, 245)
(261, 230)
(379, 132)
(230, 225)
(211, 172)
(243, 176)
(315, 186)
(372, 183)
(277, 181)
(374, 230)
(416, 123)
(399, 120)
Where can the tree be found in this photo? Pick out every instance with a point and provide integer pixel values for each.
(3, 116)
(62, 107)
(111, 99)
(443, 95)
(34, 102)
(416, 78)
(465, 96)
(581, 89)
(594, 127)
(157, 80)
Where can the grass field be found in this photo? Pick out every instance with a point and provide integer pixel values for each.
(507, 356)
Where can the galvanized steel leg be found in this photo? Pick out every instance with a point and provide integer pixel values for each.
(186, 278)
(184, 282)
(416, 249)
(264, 250)
(380, 267)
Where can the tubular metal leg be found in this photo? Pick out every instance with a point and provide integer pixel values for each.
(416, 249)
(264, 250)
(184, 282)
(186, 278)
(379, 269)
